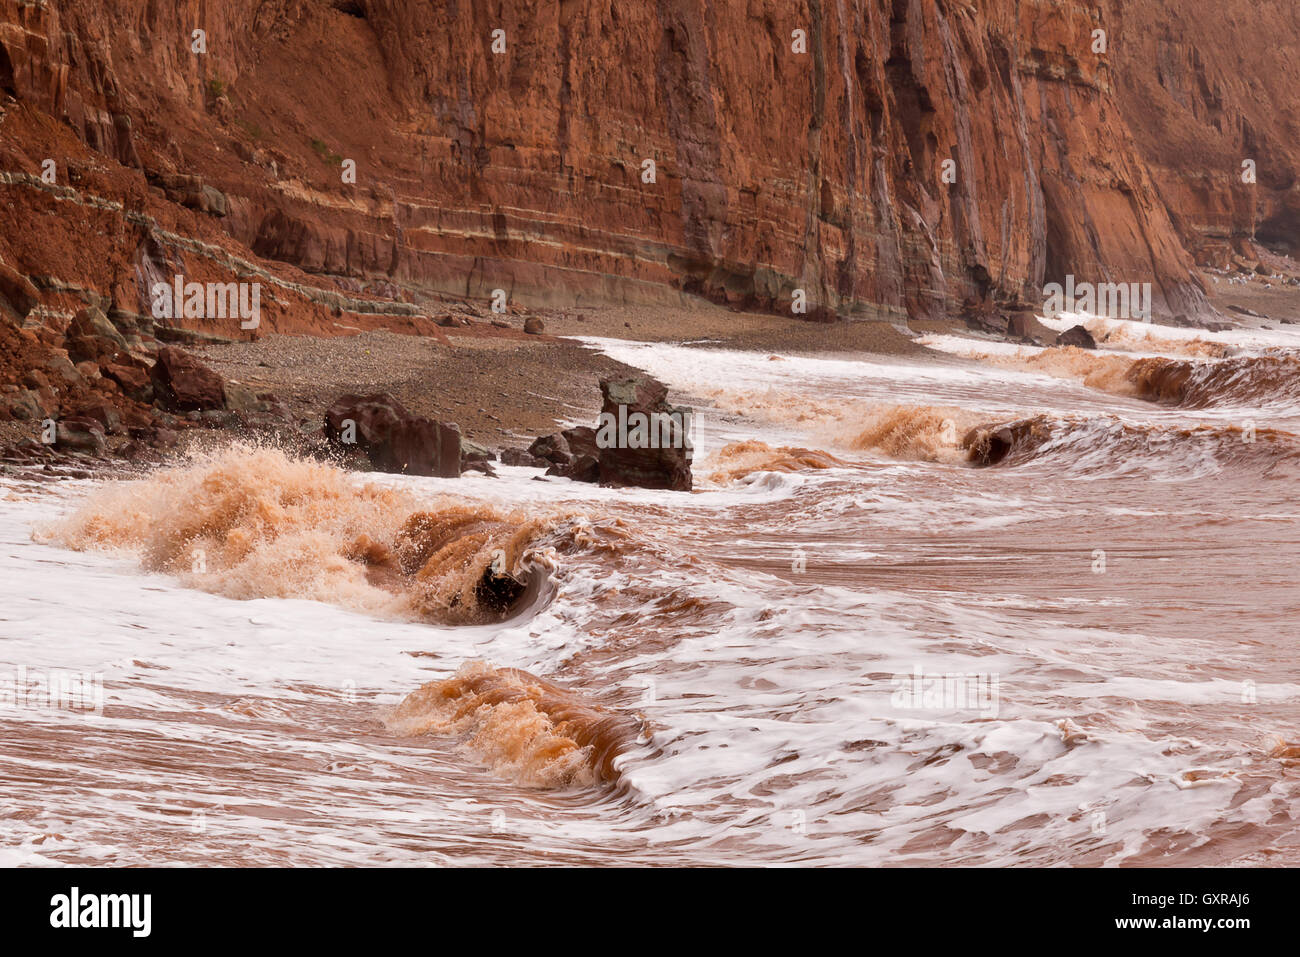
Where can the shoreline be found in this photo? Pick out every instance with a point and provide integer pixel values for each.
(503, 386)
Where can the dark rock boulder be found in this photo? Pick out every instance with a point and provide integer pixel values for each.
(981, 316)
(581, 441)
(183, 384)
(572, 454)
(583, 464)
(641, 439)
(1022, 325)
(131, 376)
(158, 437)
(520, 457)
(393, 438)
(104, 415)
(476, 458)
(552, 448)
(991, 324)
(473, 452)
(1077, 336)
(583, 468)
(81, 433)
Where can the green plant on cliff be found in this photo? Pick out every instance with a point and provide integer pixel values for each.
(324, 152)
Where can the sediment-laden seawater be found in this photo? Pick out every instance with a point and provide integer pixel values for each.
(1001, 607)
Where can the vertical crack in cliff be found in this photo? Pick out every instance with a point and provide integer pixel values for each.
(810, 268)
(1037, 238)
(963, 193)
(844, 215)
(565, 97)
(682, 73)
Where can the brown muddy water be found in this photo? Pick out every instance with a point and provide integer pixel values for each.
(850, 645)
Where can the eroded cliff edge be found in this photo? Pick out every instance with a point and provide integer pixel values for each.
(522, 170)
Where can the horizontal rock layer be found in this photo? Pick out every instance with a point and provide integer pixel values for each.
(775, 170)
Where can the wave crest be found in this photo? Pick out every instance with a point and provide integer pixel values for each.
(253, 522)
(1110, 446)
(739, 460)
(524, 727)
(919, 432)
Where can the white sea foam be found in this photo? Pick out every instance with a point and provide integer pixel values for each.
(251, 731)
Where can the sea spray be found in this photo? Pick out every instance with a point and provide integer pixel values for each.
(251, 522)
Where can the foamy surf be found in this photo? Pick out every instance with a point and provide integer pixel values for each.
(851, 652)
(1109, 446)
(257, 523)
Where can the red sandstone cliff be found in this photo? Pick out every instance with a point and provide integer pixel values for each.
(1205, 86)
(776, 170)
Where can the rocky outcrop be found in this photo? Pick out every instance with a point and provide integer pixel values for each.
(476, 458)
(520, 457)
(642, 439)
(393, 438)
(571, 454)
(550, 448)
(580, 459)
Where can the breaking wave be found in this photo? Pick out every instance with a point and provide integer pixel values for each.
(1188, 383)
(1197, 385)
(1106, 372)
(918, 432)
(741, 459)
(1130, 338)
(524, 727)
(256, 523)
(1110, 446)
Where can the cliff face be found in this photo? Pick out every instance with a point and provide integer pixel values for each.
(775, 169)
(1206, 86)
